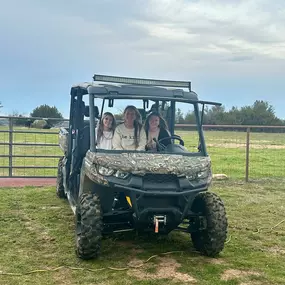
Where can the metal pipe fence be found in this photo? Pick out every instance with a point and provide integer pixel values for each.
(27, 150)
(240, 152)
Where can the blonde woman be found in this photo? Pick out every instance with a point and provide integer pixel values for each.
(130, 135)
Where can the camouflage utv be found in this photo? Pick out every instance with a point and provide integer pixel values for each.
(117, 190)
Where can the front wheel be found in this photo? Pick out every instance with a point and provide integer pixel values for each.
(210, 241)
(89, 226)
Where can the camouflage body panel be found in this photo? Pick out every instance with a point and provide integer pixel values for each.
(142, 163)
(89, 169)
(63, 139)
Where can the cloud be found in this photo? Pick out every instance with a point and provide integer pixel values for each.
(46, 46)
(151, 37)
(216, 28)
(240, 58)
(151, 34)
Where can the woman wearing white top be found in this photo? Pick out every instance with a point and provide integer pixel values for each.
(105, 131)
(130, 135)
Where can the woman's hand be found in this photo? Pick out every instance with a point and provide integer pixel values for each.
(151, 145)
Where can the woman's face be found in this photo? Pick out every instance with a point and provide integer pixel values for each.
(130, 116)
(153, 122)
(107, 122)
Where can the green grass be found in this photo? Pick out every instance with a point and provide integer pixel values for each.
(226, 148)
(37, 233)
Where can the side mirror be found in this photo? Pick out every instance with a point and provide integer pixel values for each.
(87, 112)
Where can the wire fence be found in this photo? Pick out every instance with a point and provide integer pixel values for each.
(240, 152)
(244, 152)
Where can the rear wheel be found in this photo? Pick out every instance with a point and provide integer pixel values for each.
(59, 181)
(89, 226)
(210, 241)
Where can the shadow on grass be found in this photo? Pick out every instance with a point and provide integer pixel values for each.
(146, 245)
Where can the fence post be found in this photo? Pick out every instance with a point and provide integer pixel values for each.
(10, 147)
(247, 154)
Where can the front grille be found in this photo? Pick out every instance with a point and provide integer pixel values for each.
(160, 178)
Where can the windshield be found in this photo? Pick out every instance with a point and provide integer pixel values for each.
(147, 126)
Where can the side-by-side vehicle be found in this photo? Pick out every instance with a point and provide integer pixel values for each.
(118, 190)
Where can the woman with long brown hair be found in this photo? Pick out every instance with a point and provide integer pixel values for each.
(105, 131)
(130, 135)
(156, 129)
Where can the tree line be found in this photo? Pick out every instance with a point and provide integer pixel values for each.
(261, 113)
(43, 111)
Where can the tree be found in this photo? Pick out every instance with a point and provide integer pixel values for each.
(45, 111)
(1, 104)
(215, 116)
(20, 119)
(190, 118)
(179, 117)
(119, 116)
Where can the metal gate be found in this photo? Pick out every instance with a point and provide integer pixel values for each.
(27, 151)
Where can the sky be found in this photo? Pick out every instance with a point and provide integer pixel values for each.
(232, 51)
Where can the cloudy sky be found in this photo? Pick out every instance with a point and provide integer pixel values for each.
(233, 51)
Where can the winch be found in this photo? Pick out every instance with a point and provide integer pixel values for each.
(157, 220)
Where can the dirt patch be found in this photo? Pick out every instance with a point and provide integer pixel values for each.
(23, 182)
(251, 283)
(243, 145)
(126, 244)
(41, 233)
(231, 274)
(62, 277)
(277, 250)
(50, 207)
(136, 251)
(217, 261)
(166, 269)
(135, 263)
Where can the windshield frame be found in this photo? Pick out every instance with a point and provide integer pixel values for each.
(198, 114)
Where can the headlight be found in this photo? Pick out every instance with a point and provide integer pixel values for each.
(202, 174)
(198, 175)
(191, 177)
(105, 171)
(122, 175)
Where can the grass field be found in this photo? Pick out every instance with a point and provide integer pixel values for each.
(37, 234)
(226, 148)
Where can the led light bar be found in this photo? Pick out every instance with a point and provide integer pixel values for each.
(142, 81)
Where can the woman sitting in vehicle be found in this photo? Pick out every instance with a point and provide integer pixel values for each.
(105, 131)
(130, 135)
(156, 129)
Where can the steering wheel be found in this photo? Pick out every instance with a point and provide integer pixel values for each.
(162, 147)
